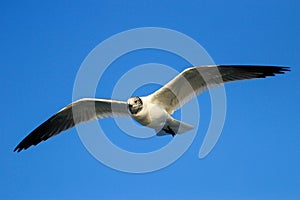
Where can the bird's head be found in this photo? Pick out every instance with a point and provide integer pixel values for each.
(135, 105)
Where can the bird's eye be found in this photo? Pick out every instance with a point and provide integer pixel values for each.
(135, 101)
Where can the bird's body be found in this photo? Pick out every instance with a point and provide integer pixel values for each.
(156, 117)
(151, 115)
(155, 110)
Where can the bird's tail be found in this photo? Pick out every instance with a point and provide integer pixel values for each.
(173, 127)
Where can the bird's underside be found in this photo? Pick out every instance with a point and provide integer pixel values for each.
(185, 86)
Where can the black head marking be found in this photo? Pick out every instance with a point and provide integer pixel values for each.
(135, 105)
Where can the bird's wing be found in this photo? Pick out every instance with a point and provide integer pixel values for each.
(193, 81)
(80, 111)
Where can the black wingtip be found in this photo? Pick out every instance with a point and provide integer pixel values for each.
(273, 70)
(285, 69)
(19, 148)
(280, 69)
(259, 71)
(274, 67)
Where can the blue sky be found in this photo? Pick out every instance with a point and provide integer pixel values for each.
(43, 45)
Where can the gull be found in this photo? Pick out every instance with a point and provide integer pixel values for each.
(155, 110)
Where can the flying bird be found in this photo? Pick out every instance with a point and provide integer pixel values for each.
(155, 110)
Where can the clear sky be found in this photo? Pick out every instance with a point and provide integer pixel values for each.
(43, 45)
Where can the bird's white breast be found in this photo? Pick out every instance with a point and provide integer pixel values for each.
(152, 115)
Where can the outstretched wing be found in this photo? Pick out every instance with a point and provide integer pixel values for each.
(193, 81)
(80, 111)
